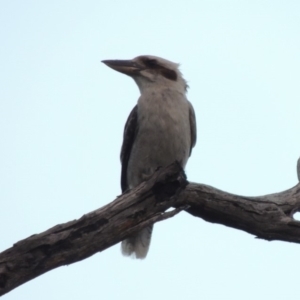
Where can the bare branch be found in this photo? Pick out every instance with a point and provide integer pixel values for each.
(268, 217)
(67, 243)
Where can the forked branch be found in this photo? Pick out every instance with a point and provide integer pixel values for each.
(268, 217)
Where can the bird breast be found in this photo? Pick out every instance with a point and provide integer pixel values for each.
(163, 134)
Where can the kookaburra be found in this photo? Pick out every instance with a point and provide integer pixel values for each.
(160, 129)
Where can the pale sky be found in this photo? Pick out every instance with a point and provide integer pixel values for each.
(62, 114)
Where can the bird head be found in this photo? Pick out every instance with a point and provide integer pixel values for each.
(150, 72)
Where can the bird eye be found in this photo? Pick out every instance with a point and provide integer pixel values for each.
(169, 74)
(150, 63)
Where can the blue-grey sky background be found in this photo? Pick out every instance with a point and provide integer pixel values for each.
(62, 115)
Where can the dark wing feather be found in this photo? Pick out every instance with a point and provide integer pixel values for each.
(193, 127)
(128, 139)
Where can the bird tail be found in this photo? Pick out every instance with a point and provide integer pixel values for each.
(138, 244)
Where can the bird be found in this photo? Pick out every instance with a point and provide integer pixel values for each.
(160, 129)
(298, 169)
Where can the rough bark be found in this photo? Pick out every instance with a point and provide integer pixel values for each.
(67, 243)
(268, 217)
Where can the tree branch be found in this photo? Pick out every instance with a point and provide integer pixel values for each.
(268, 217)
(67, 243)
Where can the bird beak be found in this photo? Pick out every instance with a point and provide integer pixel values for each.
(127, 67)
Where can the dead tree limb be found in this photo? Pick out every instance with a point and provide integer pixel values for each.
(268, 217)
(67, 243)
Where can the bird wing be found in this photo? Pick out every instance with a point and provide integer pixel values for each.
(128, 140)
(193, 127)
